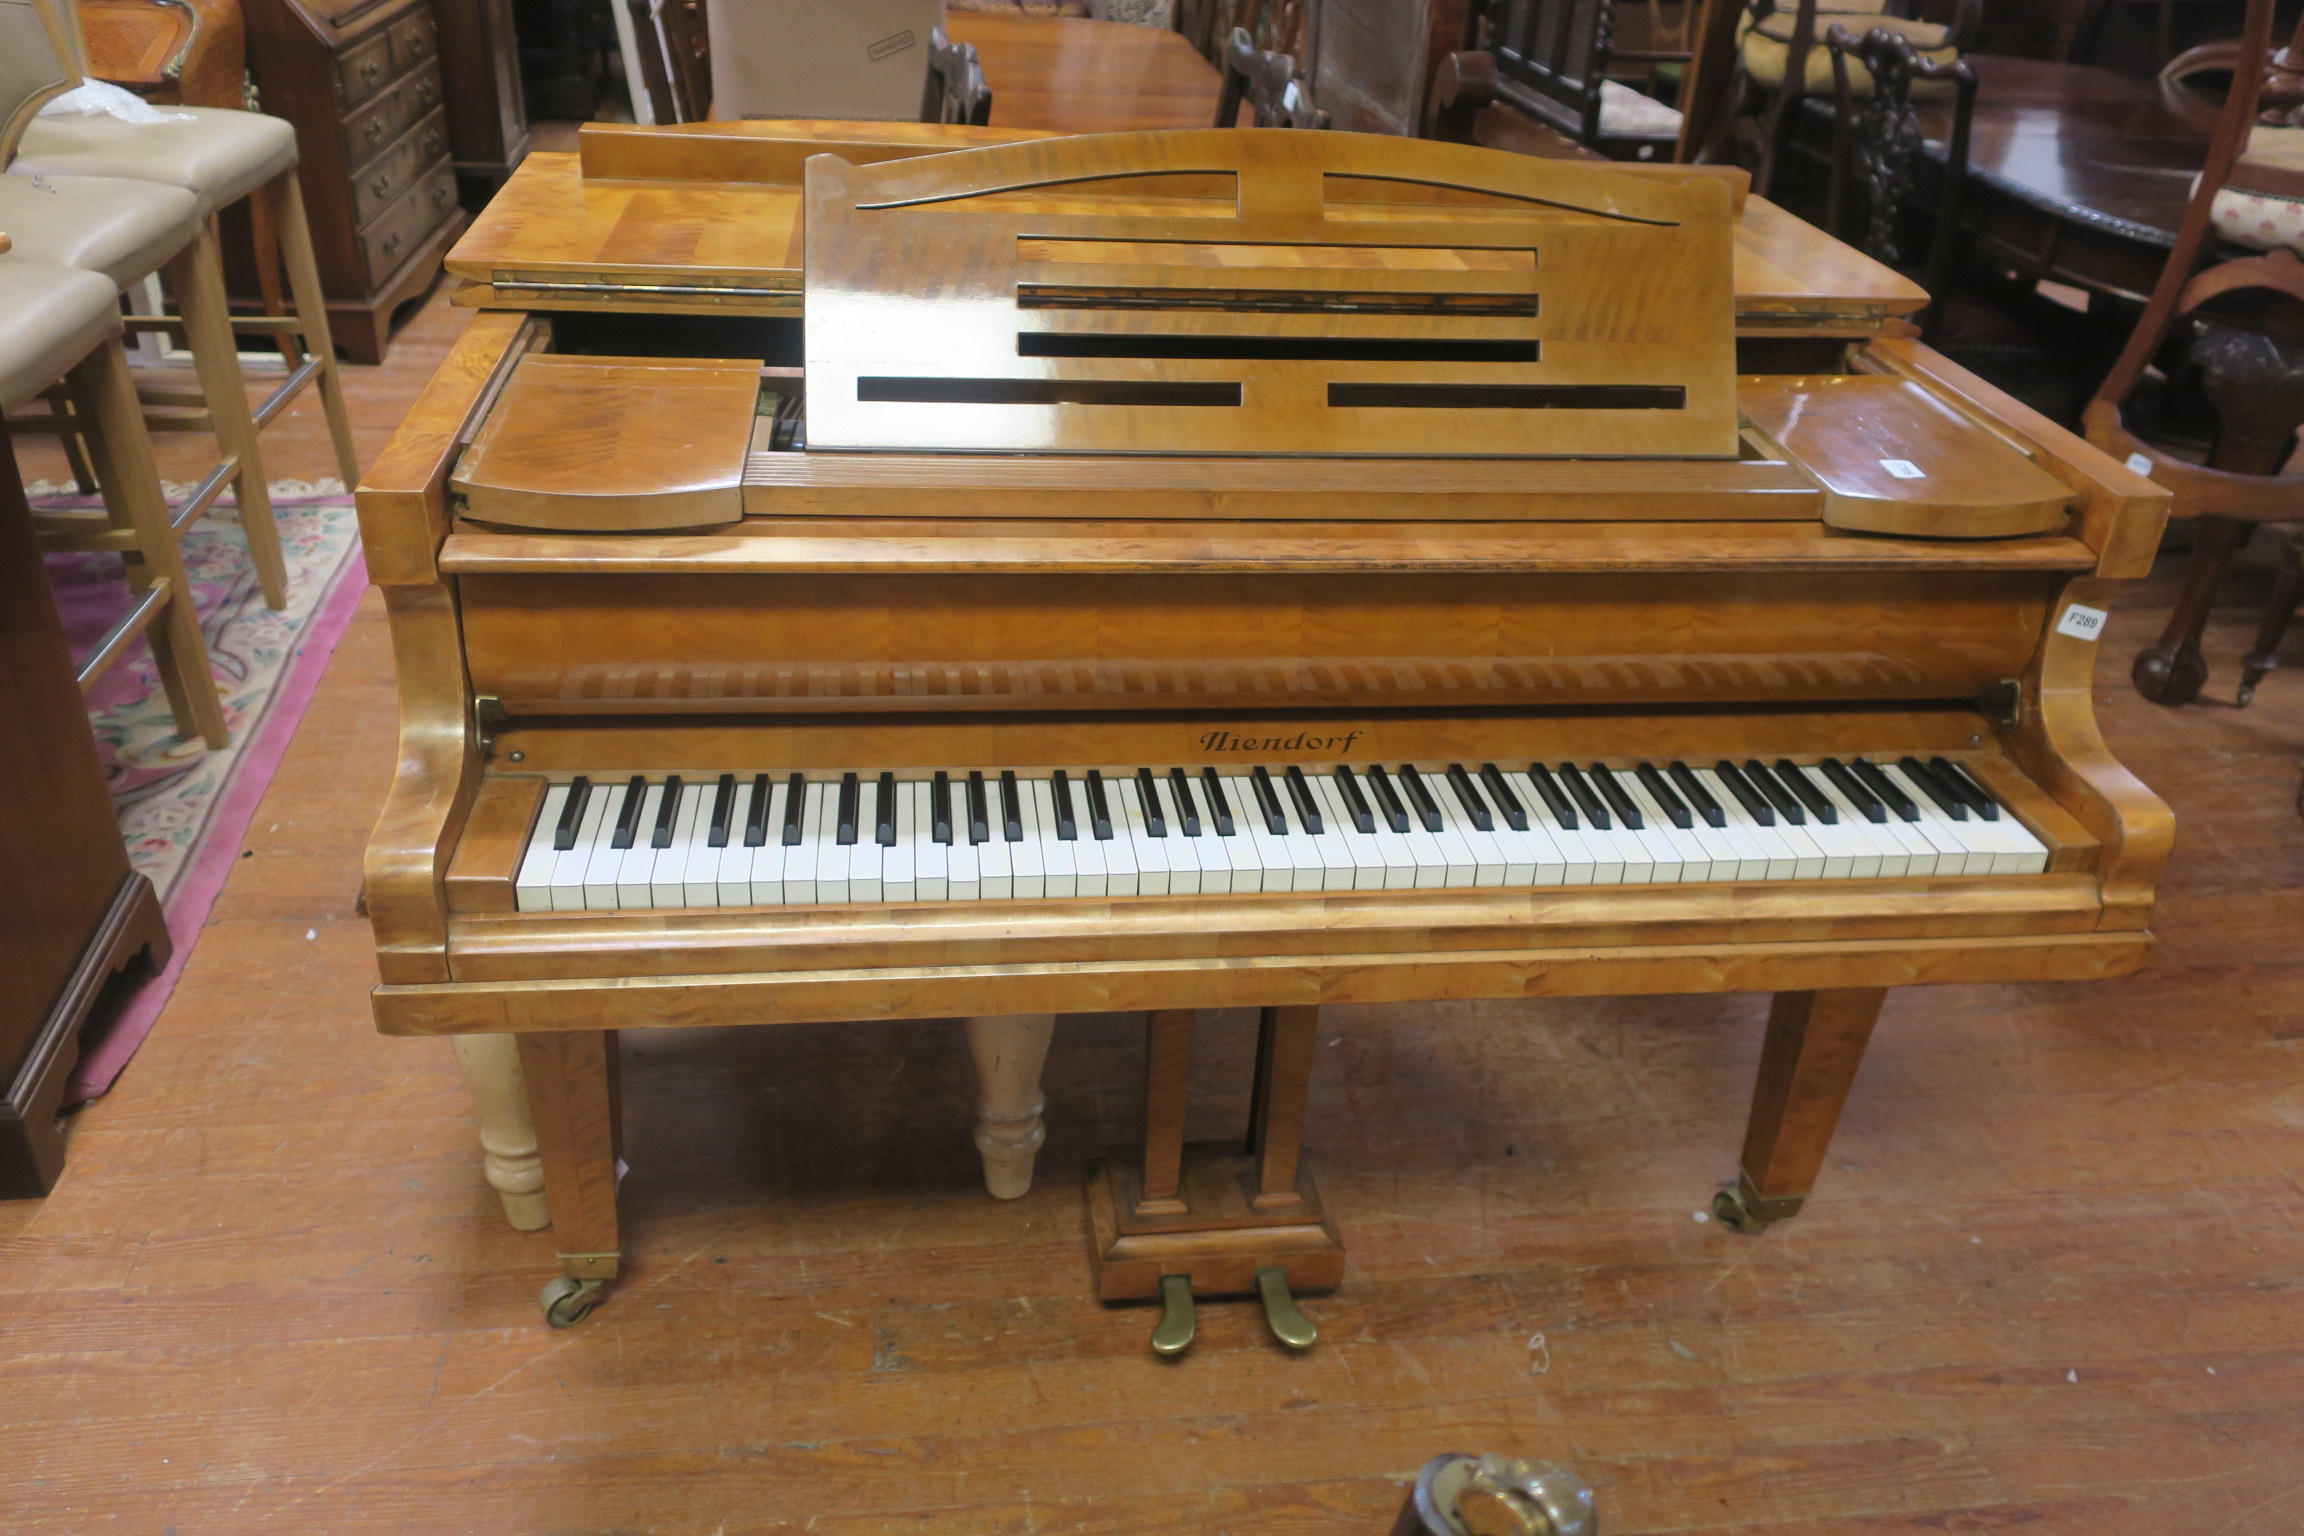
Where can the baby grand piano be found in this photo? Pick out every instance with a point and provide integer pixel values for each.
(1199, 570)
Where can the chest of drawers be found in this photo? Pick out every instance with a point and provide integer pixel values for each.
(361, 80)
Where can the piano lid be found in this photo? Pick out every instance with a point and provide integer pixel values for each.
(1265, 292)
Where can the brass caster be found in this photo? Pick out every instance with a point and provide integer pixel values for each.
(567, 1300)
(1729, 1209)
(1503, 1496)
(1174, 1335)
(1288, 1325)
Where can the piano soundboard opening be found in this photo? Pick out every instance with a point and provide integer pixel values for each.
(659, 841)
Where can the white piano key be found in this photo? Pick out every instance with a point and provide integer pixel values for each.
(1025, 860)
(667, 874)
(1780, 858)
(1063, 872)
(700, 861)
(1147, 856)
(1487, 859)
(532, 885)
(1360, 847)
(1212, 852)
(1920, 853)
(1942, 832)
(606, 860)
(1183, 852)
(1582, 860)
(1883, 844)
(2008, 846)
(964, 879)
(1679, 858)
(1340, 871)
(800, 859)
(732, 863)
(768, 858)
(866, 855)
(638, 868)
(931, 861)
(569, 866)
(1753, 856)
(1268, 851)
(995, 870)
(1120, 877)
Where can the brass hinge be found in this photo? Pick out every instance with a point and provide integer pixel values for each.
(488, 718)
(2002, 703)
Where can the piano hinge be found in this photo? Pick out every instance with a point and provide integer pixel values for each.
(487, 719)
(2002, 703)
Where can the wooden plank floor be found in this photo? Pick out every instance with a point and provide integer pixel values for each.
(2051, 1280)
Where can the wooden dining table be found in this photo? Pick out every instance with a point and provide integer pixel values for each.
(1078, 75)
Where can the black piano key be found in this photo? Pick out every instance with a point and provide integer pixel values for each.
(724, 810)
(1268, 802)
(850, 794)
(1618, 801)
(1500, 795)
(1962, 783)
(1788, 806)
(1307, 809)
(795, 807)
(1469, 798)
(667, 814)
(1099, 808)
(1357, 803)
(1754, 802)
(1427, 810)
(1187, 810)
(979, 811)
(884, 812)
(1060, 791)
(1595, 809)
(1148, 802)
(1819, 804)
(571, 814)
(1219, 803)
(1946, 798)
(628, 815)
(1693, 791)
(1554, 796)
(1011, 807)
(940, 806)
(1867, 803)
(1666, 801)
(756, 819)
(1395, 814)
(1885, 788)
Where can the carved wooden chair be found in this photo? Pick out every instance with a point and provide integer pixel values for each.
(1551, 65)
(1877, 143)
(1781, 61)
(2239, 322)
(956, 92)
(1269, 83)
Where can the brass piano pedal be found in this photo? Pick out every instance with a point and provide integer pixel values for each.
(1177, 1324)
(1288, 1325)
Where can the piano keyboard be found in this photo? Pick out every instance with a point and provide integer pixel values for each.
(972, 835)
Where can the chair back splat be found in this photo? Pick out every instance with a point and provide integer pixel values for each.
(1876, 140)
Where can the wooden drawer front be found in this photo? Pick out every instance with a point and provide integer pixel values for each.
(402, 227)
(371, 130)
(412, 42)
(390, 174)
(364, 69)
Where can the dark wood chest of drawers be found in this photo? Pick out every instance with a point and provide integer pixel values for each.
(361, 81)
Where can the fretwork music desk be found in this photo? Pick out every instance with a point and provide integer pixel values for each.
(1204, 569)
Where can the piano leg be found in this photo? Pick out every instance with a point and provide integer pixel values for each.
(572, 1094)
(1009, 1049)
(491, 1066)
(1815, 1043)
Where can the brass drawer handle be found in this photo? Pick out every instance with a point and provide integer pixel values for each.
(440, 191)
(431, 143)
(392, 243)
(373, 129)
(369, 70)
(380, 184)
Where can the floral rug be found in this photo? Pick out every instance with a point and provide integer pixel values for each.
(183, 810)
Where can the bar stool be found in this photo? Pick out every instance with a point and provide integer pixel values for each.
(57, 322)
(219, 156)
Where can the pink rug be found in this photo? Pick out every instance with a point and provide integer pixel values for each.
(184, 811)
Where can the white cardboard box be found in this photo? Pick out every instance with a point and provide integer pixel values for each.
(821, 58)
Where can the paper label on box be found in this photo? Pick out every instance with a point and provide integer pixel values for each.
(2140, 464)
(1904, 469)
(2081, 622)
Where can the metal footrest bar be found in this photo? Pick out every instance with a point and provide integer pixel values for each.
(130, 626)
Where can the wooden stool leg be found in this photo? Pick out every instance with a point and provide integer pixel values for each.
(285, 195)
(2172, 671)
(1010, 1049)
(123, 455)
(1815, 1043)
(1167, 1088)
(197, 274)
(571, 1079)
(491, 1065)
(2264, 657)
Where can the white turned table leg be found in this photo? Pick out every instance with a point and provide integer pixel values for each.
(491, 1066)
(1009, 1049)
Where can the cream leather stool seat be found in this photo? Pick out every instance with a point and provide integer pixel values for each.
(220, 156)
(126, 230)
(57, 322)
